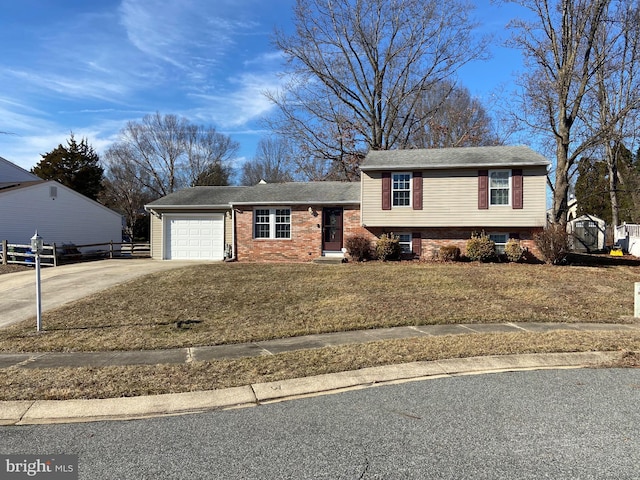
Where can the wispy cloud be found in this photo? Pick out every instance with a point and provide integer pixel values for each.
(188, 34)
(243, 101)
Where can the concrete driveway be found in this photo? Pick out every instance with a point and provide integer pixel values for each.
(67, 283)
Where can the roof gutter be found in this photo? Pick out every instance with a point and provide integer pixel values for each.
(149, 208)
(287, 202)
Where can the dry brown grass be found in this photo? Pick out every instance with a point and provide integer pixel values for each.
(234, 303)
(108, 382)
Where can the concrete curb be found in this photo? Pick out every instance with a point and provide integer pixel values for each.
(129, 408)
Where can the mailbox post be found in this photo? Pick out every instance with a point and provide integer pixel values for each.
(36, 249)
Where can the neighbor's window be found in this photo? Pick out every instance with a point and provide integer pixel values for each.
(401, 189)
(272, 223)
(500, 239)
(499, 187)
(405, 242)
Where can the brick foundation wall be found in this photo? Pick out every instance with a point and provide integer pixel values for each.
(433, 238)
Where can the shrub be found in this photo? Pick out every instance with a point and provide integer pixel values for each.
(513, 250)
(480, 247)
(359, 247)
(449, 253)
(553, 243)
(388, 247)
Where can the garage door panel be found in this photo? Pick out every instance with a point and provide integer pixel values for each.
(195, 238)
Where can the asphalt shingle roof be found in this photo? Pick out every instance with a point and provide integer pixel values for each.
(467, 157)
(264, 194)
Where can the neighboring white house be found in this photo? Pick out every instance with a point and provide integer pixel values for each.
(58, 213)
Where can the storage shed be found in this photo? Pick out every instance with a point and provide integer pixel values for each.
(587, 234)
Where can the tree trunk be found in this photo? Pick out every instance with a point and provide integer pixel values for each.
(612, 167)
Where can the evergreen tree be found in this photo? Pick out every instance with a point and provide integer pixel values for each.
(592, 187)
(75, 165)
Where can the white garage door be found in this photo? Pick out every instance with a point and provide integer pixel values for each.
(195, 237)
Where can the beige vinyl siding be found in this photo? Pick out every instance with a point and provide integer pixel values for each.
(156, 237)
(450, 198)
(228, 229)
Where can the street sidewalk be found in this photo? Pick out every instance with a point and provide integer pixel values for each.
(272, 347)
(59, 411)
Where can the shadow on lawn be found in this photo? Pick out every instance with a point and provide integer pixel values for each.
(177, 324)
(601, 260)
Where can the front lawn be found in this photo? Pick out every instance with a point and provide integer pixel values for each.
(231, 303)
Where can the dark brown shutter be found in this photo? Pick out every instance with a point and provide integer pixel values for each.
(516, 185)
(386, 190)
(417, 190)
(416, 244)
(483, 189)
(515, 236)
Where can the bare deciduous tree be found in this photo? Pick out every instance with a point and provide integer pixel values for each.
(563, 60)
(615, 98)
(171, 153)
(272, 163)
(453, 119)
(359, 69)
(124, 191)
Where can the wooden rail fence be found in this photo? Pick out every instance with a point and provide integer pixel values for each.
(53, 255)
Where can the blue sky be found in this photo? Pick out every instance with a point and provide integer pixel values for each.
(91, 66)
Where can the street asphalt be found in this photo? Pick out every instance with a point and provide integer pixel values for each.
(17, 294)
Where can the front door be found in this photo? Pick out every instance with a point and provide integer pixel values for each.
(332, 229)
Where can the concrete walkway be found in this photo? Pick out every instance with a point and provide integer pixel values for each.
(272, 347)
(58, 411)
(67, 411)
(67, 283)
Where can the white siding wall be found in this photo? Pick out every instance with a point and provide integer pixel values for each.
(67, 218)
(450, 199)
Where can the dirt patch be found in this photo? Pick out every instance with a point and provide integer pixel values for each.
(13, 268)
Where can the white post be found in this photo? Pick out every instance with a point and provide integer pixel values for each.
(38, 295)
(36, 247)
(636, 298)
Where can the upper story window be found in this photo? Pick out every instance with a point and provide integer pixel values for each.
(274, 223)
(401, 189)
(499, 187)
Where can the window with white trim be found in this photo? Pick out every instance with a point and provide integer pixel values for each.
(401, 189)
(406, 245)
(500, 239)
(274, 223)
(499, 187)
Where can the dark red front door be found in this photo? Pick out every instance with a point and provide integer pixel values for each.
(332, 229)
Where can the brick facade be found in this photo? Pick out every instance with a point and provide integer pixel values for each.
(305, 243)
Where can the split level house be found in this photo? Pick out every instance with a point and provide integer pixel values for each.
(59, 214)
(428, 198)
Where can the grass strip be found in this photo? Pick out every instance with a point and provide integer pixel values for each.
(110, 382)
(234, 303)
